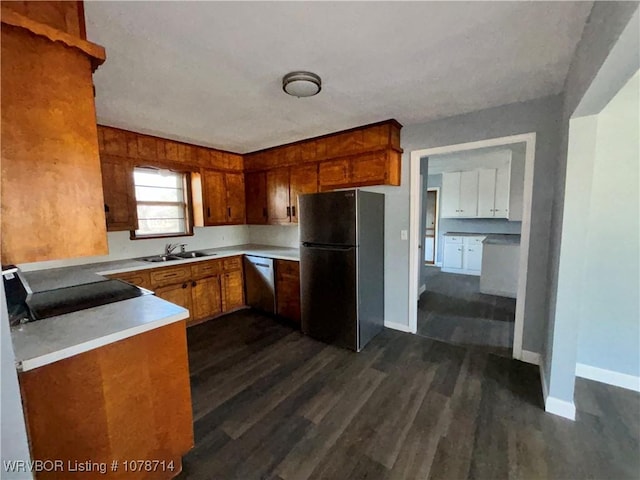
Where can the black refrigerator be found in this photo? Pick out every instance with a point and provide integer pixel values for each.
(342, 266)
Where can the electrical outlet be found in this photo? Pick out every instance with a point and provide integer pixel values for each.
(403, 235)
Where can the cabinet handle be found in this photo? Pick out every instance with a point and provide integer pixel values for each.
(459, 249)
(288, 211)
(264, 212)
(208, 212)
(293, 211)
(184, 285)
(193, 284)
(169, 275)
(106, 208)
(229, 212)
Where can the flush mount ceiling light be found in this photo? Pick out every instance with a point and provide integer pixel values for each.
(301, 84)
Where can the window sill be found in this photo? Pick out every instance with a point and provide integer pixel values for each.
(132, 236)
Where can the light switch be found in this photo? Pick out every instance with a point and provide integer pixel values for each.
(403, 235)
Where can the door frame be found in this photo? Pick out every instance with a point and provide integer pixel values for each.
(525, 234)
(436, 226)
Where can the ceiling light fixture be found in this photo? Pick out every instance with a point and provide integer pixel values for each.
(301, 84)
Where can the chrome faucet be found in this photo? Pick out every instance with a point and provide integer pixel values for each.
(170, 247)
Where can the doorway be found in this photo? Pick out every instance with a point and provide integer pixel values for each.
(417, 261)
(431, 225)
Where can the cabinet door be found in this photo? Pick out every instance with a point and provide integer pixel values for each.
(256, 197)
(232, 290)
(179, 293)
(473, 256)
(503, 179)
(119, 196)
(333, 174)
(234, 183)
(449, 205)
(486, 192)
(278, 206)
(369, 168)
(206, 297)
(215, 198)
(302, 179)
(138, 278)
(452, 256)
(288, 289)
(468, 194)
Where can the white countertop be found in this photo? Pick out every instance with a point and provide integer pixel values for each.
(42, 342)
(46, 341)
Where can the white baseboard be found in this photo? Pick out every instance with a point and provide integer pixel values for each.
(461, 272)
(530, 357)
(422, 289)
(398, 326)
(439, 264)
(554, 405)
(609, 377)
(562, 408)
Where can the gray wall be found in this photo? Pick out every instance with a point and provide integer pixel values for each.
(542, 116)
(14, 435)
(602, 31)
(479, 225)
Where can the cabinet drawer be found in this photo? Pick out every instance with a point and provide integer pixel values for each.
(168, 276)
(139, 278)
(232, 263)
(206, 269)
(473, 240)
(452, 239)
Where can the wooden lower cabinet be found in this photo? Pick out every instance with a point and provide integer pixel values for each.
(207, 288)
(129, 400)
(232, 290)
(288, 290)
(180, 294)
(206, 298)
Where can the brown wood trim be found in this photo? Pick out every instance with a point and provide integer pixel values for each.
(181, 142)
(81, 20)
(347, 156)
(96, 53)
(391, 121)
(133, 237)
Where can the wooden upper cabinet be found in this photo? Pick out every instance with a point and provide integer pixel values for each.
(371, 167)
(302, 179)
(215, 198)
(119, 195)
(114, 142)
(333, 173)
(256, 197)
(62, 15)
(234, 185)
(224, 198)
(278, 206)
(147, 148)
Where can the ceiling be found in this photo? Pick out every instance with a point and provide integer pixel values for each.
(211, 72)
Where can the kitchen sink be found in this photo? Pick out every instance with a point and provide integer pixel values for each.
(161, 258)
(194, 254)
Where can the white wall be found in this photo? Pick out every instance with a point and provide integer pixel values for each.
(14, 435)
(609, 336)
(121, 246)
(278, 235)
(606, 57)
(542, 116)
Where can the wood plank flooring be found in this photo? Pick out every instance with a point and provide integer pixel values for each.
(453, 310)
(270, 403)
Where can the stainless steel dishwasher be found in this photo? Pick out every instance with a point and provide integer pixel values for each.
(260, 283)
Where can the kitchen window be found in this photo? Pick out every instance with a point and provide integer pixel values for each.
(162, 203)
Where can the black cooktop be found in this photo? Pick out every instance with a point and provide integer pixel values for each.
(80, 297)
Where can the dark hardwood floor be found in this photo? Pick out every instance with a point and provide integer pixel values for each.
(453, 310)
(270, 403)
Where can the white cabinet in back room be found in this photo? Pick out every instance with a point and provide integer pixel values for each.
(493, 192)
(460, 195)
(463, 254)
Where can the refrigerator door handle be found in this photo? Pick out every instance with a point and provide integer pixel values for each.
(316, 246)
